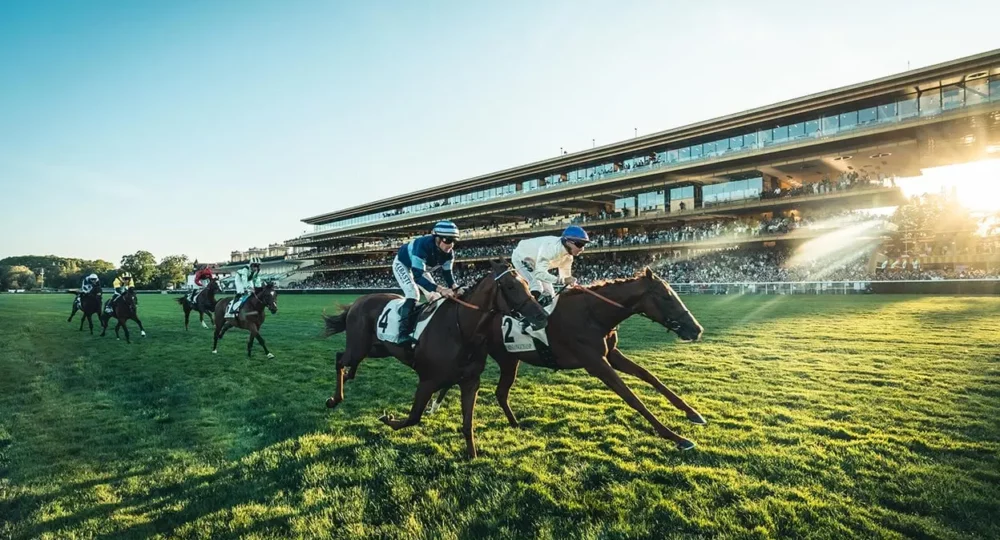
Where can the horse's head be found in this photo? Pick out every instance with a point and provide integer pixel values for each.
(268, 296)
(213, 286)
(513, 296)
(129, 297)
(661, 304)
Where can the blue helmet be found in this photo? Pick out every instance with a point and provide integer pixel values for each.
(575, 232)
(445, 229)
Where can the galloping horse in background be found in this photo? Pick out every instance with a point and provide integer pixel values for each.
(451, 350)
(204, 303)
(250, 317)
(583, 333)
(123, 309)
(89, 304)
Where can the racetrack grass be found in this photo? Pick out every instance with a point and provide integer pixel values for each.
(866, 416)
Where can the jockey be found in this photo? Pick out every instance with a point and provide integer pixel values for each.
(534, 257)
(87, 286)
(121, 284)
(201, 279)
(89, 283)
(245, 280)
(413, 264)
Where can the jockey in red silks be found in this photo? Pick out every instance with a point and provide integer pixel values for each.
(201, 279)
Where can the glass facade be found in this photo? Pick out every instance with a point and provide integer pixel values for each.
(625, 203)
(925, 103)
(652, 200)
(686, 192)
(734, 191)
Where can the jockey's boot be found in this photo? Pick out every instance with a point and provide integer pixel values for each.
(407, 322)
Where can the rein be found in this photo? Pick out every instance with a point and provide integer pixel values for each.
(600, 296)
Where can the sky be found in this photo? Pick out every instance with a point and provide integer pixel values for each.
(200, 127)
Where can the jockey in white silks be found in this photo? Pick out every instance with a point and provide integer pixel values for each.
(245, 280)
(533, 258)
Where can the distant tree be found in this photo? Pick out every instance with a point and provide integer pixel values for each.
(18, 277)
(142, 266)
(172, 270)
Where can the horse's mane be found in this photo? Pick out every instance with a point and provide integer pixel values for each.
(468, 290)
(606, 282)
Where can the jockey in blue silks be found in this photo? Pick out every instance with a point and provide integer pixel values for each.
(413, 265)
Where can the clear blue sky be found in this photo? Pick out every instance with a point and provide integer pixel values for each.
(199, 127)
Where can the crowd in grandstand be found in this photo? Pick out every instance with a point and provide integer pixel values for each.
(847, 181)
(924, 227)
(738, 265)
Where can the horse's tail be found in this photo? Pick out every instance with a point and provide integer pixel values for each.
(337, 323)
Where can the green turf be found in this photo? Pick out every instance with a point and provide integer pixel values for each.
(828, 417)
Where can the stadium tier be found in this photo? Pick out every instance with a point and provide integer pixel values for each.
(729, 199)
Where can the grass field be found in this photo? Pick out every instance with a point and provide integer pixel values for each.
(873, 416)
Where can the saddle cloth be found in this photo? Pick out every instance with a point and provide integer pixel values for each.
(518, 338)
(387, 325)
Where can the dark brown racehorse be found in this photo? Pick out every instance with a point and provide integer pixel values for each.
(451, 350)
(124, 309)
(582, 333)
(204, 303)
(250, 317)
(89, 304)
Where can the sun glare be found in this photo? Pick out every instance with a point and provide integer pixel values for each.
(976, 184)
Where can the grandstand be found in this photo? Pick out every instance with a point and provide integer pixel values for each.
(727, 200)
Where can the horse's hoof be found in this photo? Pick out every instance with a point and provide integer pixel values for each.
(331, 403)
(696, 418)
(269, 355)
(142, 333)
(215, 352)
(686, 445)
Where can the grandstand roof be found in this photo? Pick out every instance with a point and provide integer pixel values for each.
(905, 81)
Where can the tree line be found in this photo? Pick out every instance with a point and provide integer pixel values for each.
(53, 272)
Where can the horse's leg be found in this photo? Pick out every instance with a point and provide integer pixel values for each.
(187, 315)
(73, 313)
(82, 317)
(508, 374)
(215, 337)
(601, 369)
(124, 325)
(470, 389)
(356, 351)
(424, 392)
(436, 404)
(338, 393)
(252, 328)
(104, 323)
(90, 322)
(142, 331)
(201, 319)
(260, 339)
(625, 365)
